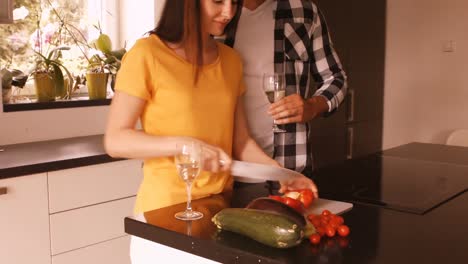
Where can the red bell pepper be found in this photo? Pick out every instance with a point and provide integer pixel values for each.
(305, 196)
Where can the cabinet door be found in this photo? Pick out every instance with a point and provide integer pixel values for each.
(358, 32)
(88, 185)
(88, 225)
(328, 138)
(24, 220)
(115, 251)
(364, 138)
(367, 62)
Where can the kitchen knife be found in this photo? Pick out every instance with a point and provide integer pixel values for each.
(254, 172)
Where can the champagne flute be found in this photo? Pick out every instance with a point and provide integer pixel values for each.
(273, 86)
(188, 162)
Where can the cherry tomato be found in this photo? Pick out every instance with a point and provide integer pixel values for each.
(330, 231)
(295, 204)
(326, 212)
(314, 239)
(311, 216)
(339, 219)
(324, 220)
(276, 197)
(343, 230)
(335, 222)
(316, 222)
(321, 231)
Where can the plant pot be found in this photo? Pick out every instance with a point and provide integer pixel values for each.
(45, 87)
(97, 85)
(62, 93)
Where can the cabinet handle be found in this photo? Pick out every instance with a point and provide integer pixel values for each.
(3, 190)
(351, 106)
(349, 155)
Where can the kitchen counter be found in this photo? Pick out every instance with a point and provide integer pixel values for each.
(36, 157)
(380, 232)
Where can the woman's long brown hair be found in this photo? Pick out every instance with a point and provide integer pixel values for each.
(181, 23)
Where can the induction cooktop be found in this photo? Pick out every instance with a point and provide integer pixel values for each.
(409, 185)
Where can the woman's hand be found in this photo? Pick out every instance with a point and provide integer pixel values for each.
(299, 183)
(214, 158)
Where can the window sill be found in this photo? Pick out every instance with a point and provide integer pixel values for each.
(75, 102)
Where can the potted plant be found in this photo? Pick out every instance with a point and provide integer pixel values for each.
(49, 78)
(97, 76)
(102, 65)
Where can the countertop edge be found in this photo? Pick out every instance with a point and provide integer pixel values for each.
(55, 165)
(196, 246)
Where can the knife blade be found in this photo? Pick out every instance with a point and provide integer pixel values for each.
(254, 172)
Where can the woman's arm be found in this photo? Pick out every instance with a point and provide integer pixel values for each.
(123, 140)
(245, 148)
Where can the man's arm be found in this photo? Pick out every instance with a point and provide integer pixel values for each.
(326, 67)
(328, 73)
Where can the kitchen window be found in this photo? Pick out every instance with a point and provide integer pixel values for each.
(38, 26)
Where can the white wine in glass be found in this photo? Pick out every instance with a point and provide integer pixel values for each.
(188, 162)
(273, 86)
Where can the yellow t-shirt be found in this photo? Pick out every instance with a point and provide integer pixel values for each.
(175, 107)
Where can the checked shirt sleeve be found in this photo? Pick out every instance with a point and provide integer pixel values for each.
(326, 67)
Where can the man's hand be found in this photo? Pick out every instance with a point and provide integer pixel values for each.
(294, 109)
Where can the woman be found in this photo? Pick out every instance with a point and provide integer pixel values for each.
(184, 86)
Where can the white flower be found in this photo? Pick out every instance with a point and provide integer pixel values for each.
(20, 13)
(17, 40)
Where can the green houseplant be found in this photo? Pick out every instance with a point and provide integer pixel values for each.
(51, 78)
(102, 65)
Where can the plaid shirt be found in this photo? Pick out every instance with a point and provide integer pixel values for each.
(302, 49)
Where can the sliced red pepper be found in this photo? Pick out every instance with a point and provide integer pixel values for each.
(276, 197)
(293, 203)
(305, 196)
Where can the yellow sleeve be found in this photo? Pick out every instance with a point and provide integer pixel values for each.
(136, 74)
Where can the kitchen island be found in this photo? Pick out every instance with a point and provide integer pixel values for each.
(391, 222)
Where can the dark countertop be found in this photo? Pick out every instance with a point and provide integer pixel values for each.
(379, 233)
(36, 157)
(430, 152)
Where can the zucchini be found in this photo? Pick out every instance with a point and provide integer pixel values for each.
(269, 228)
(269, 204)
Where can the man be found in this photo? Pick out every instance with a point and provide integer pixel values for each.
(290, 37)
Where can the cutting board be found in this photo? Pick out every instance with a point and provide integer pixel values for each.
(336, 207)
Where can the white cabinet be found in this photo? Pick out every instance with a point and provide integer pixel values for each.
(24, 220)
(87, 208)
(115, 251)
(88, 185)
(89, 225)
(69, 216)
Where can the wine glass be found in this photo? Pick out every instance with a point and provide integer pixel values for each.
(273, 86)
(188, 162)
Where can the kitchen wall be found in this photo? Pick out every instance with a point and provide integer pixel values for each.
(425, 92)
(29, 126)
(426, 89)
